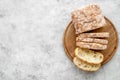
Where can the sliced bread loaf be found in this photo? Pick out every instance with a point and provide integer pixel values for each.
(88, 18)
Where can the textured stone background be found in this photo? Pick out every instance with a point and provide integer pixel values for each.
(31, 46)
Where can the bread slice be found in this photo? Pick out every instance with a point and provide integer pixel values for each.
(89, 56)
(94, 46)
(91, 40)
(85, 66)
(88, 18)
(94, 35)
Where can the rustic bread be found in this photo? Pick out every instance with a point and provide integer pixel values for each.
(94, 46)
(88, 18)
(89, 56)
(95, 35)
(85, 66)
(91, 40)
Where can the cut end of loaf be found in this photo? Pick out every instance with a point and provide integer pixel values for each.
(89, 56)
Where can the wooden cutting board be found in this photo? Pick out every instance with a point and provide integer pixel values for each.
(69, 41)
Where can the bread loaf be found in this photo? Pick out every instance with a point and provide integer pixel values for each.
(88, 18)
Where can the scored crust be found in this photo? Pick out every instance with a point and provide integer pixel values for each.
(89, 56)
(88, 18)
(85, 66)
(91, 40)
(94, 46)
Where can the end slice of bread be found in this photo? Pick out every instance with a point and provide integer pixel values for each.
(89, 56)
(85, 66)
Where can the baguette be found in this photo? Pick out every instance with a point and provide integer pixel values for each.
(88, 18)
(94, 35)
(89, 56)
(91, 40)
(85, 66)
(94, 46)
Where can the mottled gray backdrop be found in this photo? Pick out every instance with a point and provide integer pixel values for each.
(31, 33)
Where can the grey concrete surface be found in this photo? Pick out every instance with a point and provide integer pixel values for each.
(31, 46)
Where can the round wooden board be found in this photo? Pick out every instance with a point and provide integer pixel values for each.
(69, 40)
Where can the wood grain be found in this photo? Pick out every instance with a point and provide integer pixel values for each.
(69, 40)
